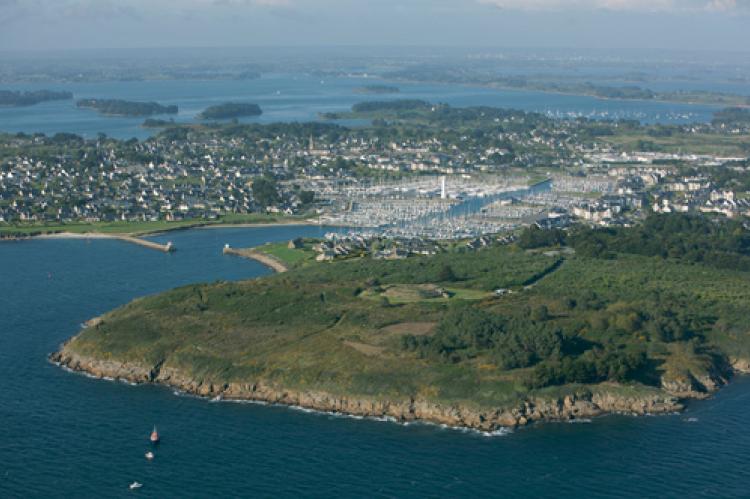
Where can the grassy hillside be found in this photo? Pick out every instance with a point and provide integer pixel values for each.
(395, 329)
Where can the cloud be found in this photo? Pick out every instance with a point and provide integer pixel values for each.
(56, 7)
(237, 3)
(78, 7)
(676, 6)
(729, 5)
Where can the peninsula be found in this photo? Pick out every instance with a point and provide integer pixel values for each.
(550, 84)
(632, 320)
(9, 98)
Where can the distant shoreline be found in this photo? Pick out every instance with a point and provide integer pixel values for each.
(497, 86)
(256, 225)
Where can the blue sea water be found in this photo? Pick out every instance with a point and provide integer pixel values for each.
(66, 435)
(301, 97)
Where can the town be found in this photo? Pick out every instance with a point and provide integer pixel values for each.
(500, 171)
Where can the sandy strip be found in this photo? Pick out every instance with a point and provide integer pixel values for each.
(290, 223)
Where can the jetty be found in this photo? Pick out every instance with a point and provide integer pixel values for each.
(166, 248)
(253, 254)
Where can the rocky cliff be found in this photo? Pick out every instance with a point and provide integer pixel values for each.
(582, 405)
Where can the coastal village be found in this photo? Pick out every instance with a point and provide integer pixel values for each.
(437, 187)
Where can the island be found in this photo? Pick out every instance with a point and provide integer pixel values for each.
(157, 123)
(117, 107)
(10, 98)
(394, 105)
(555, 326)
(230, 110)
(377, 89)
(403, 108)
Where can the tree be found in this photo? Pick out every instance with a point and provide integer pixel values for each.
(534, 237)
(446, 274)
(265, 192)
(307, 197)
(540, 313)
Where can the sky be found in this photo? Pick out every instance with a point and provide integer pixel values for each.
(719, 25)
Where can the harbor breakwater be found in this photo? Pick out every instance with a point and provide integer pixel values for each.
(252, 254)
(166, 248)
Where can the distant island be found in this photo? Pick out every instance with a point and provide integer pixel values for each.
(377, 89)
(632, 320)
(230, 110)
(379, 109)
(117, 107)
(395, 105)
(157, 123)
(9, 98)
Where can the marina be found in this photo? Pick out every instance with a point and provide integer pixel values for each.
(435, 207)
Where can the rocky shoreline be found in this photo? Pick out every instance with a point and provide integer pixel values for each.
(584, 405)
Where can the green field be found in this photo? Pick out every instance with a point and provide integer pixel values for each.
(290, 257)
(711, 144)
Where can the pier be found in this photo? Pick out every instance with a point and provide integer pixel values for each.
(256, 255)
(166, 248)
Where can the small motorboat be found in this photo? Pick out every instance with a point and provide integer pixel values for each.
(154, 436)
(135, 485)
(149, 455)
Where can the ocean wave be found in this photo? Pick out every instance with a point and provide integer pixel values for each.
(500, 432)
(390, 419)
(92, 376)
